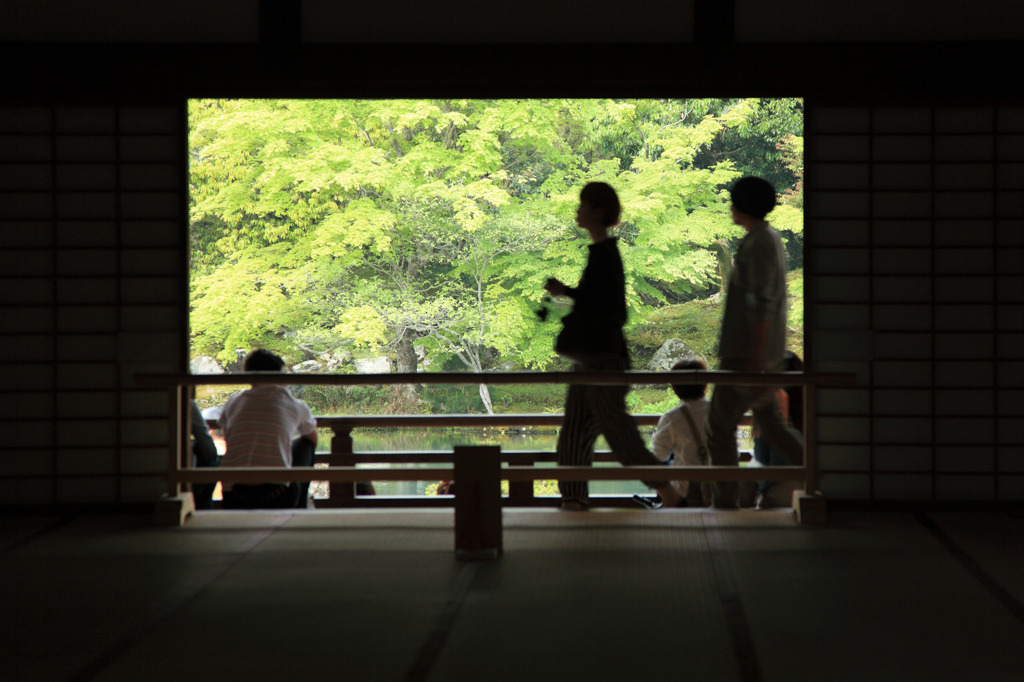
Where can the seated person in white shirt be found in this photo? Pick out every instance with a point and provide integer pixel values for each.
(681, 439)
(258, 426)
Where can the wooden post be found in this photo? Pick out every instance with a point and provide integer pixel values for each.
(173, 510)
(809, 508)
(520, 493)
(175, 506)
(477, 502)
(177, 427)
(810, 435)
(342, 494)
(809, 504)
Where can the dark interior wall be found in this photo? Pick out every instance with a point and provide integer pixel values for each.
(93, 283)
(916, 284)
(915, 151)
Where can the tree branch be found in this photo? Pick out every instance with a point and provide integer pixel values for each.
(719, 155)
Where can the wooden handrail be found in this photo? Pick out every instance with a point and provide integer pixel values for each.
(495, 378)
(512, 473)
(512, 457)
(455, 420)
(372, 421)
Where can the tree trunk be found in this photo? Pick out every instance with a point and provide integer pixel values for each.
(721, 252)
(485, 395)
(405, 362)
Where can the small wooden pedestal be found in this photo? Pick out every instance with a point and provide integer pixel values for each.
(477, 503)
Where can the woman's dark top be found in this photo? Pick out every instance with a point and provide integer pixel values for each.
(601, 292)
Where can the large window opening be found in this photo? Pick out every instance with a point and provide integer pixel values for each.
(416, 235)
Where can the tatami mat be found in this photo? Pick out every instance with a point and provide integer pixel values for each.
(603, 595)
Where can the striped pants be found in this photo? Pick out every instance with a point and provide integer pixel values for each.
(591, 411)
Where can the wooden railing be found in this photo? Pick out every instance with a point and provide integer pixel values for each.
(342, 460)
(342, 453)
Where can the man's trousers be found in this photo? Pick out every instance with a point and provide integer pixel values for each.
(728, 405)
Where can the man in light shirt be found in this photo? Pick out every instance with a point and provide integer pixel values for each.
(753, 336)
(259, 425)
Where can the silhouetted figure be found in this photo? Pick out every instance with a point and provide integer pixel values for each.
(593, 340)
(258, 426)
(204, 455)
(790, 404)
(753, 336)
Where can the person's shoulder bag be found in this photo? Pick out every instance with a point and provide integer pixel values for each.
(589, 339)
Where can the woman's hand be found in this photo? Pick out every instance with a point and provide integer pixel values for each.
(554, 287)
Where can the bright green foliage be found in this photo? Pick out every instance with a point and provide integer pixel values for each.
(255, 297)
(788, 215)
(792, 148)
(787, 218)
(795, 314)
(379, 224)
(540, 488)
(363, 325)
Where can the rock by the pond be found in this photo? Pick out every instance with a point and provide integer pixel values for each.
(422, 361)
(378, 365)
(334, 359)
(237, 365)
(670, 352)
(307, 367)
(204, 364)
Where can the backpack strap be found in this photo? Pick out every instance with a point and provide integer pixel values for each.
(702, 450)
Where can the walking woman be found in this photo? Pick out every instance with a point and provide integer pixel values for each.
(597, 317)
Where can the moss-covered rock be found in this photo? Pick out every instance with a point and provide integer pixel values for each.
(696, 323)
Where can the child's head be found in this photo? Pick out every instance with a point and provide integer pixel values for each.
(690, 391)
(601, 197)
(753, 196)
(262, 360)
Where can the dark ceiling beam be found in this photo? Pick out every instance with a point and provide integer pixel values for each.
(855, 72)
(714, 21)
(280, 23)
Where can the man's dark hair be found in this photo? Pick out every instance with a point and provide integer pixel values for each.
(262, 360)
(601, 195)
(753, 196)
(690, 391)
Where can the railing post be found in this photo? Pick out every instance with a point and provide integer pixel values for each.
(810, 446)
(172, 446)
(808, 504)
(477, 502)
(342, 494)
(520, 493)
(179, 414)
(175, 506)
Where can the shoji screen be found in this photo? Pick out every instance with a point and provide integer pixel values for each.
(91, 292)
(916, 220)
